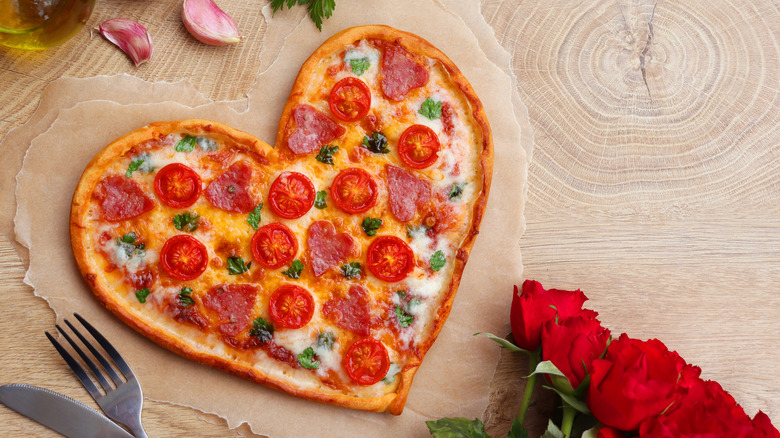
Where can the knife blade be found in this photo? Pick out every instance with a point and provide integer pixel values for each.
(60, 413)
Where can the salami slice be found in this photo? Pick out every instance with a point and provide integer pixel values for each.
(327, 248)
(314, 130)
(229, 191)
(352, 312)
(400, 74)
(405, 192)
(233, 304)
(121, 198)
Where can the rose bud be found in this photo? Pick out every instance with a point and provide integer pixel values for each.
(536, 306)
(129, 36)
(636, 380)
(572, 345)
(208, 23)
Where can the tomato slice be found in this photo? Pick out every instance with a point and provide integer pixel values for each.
(291, 195)
(390, 258)
(366, 361)
(350, 99)
(291, 306)
(177, 185)
(354, 190)
(419, 146)
(183, 257)
(274, 245)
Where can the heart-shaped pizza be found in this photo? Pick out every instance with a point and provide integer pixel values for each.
(324, 266)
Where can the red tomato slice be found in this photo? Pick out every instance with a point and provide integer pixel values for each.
(177, 185)
(274, 245)
(419, 146)
(354, 190)
(366, 361)
(183, 257)
(291, 195)
(291, 306)
(350, 99)
(390, 258)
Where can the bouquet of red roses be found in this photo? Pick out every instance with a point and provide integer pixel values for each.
(614, 387)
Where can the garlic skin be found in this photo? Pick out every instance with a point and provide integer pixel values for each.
(129, 36)
(206, 22)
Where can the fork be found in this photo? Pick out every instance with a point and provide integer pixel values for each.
(122, 401)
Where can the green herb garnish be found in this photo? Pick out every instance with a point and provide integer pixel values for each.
(430, 109)
(186, 221)
(129, 237)
(370, 225)
(141, 294)
(140, 163)
(325, 155)
(262, 330)
(319, 200)
(351, 270)
(437, 260)
(318, 9)
(404, 319)
(254, 217)
(377, 143)
(184, 297)
(359, 65)
(295, 269)
(457, 191)
(307, 360)
(186, 144)
(236, 266)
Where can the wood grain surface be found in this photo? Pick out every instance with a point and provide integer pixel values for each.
(654, 185)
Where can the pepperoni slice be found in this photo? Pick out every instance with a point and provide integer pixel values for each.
(291, 195)
(350, 313)
(274, 245)
(390, 258)
(183, 257)
(233, 304)
(327, 248)
(350, 99)
(228, 191)
(291, 306)
(400, 74)
(177, 185)
(366, 361)
(419, 146)
(314, 129)
(121, 198)
(354, 190)
(405, 192)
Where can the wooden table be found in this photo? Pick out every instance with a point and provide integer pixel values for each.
(654, 186)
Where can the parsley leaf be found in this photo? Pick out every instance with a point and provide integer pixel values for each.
(359, 65)
(318, 9)
(319, 200)
(295, 269)
(236, 266)
(438, 260)
(139, 163)
(457, 191)
(325, 155)
(325, 340)
(262, 330)
(134, 165)
(351, 270)
(307, 360)
(430, 109)
(377, 143)
(186, 144)
(186, 221)
(142, 294)
(127, 244)
(370, 225)
(184, 297)
(254, 217)
(129, 237)
(404, 319)
(460, 427)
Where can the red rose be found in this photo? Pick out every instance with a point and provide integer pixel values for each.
(533, 308)
(636, 380)
(573, 344)
(608, 432)
(763, 427)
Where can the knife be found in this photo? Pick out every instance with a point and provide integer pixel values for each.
(56, 411)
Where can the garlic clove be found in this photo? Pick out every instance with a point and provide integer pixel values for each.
(129, 36)
(208, 23)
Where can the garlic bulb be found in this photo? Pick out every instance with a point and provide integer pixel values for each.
(208, 23)
(129, 36)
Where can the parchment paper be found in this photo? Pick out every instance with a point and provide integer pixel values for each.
(455, 375)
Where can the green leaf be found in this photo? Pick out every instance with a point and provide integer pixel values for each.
(262, 330)
(132, 167)
(457, 428)
(318, 9)
(438, 260)
(552, 431)
(457, 191)
(573, 401)
(186, 221)
(325, 155)
(307, 360)
(325, 340)
(142, 294)
(295, 269)
(236, 266)
(186, 144)
(547, 367)
(517, 430)
(129, 237)
(319, 200)
(377, 143)
(352, 270)
(184, 297)
(591, 433)
(431, 109)
(359, 65)
(504, 343)
(371, 225)
(139, 163)
(404, 319)
(254, 217)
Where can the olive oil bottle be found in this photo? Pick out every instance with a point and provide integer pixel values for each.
(40, 24)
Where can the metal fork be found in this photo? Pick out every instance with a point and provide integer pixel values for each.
(122, 401)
